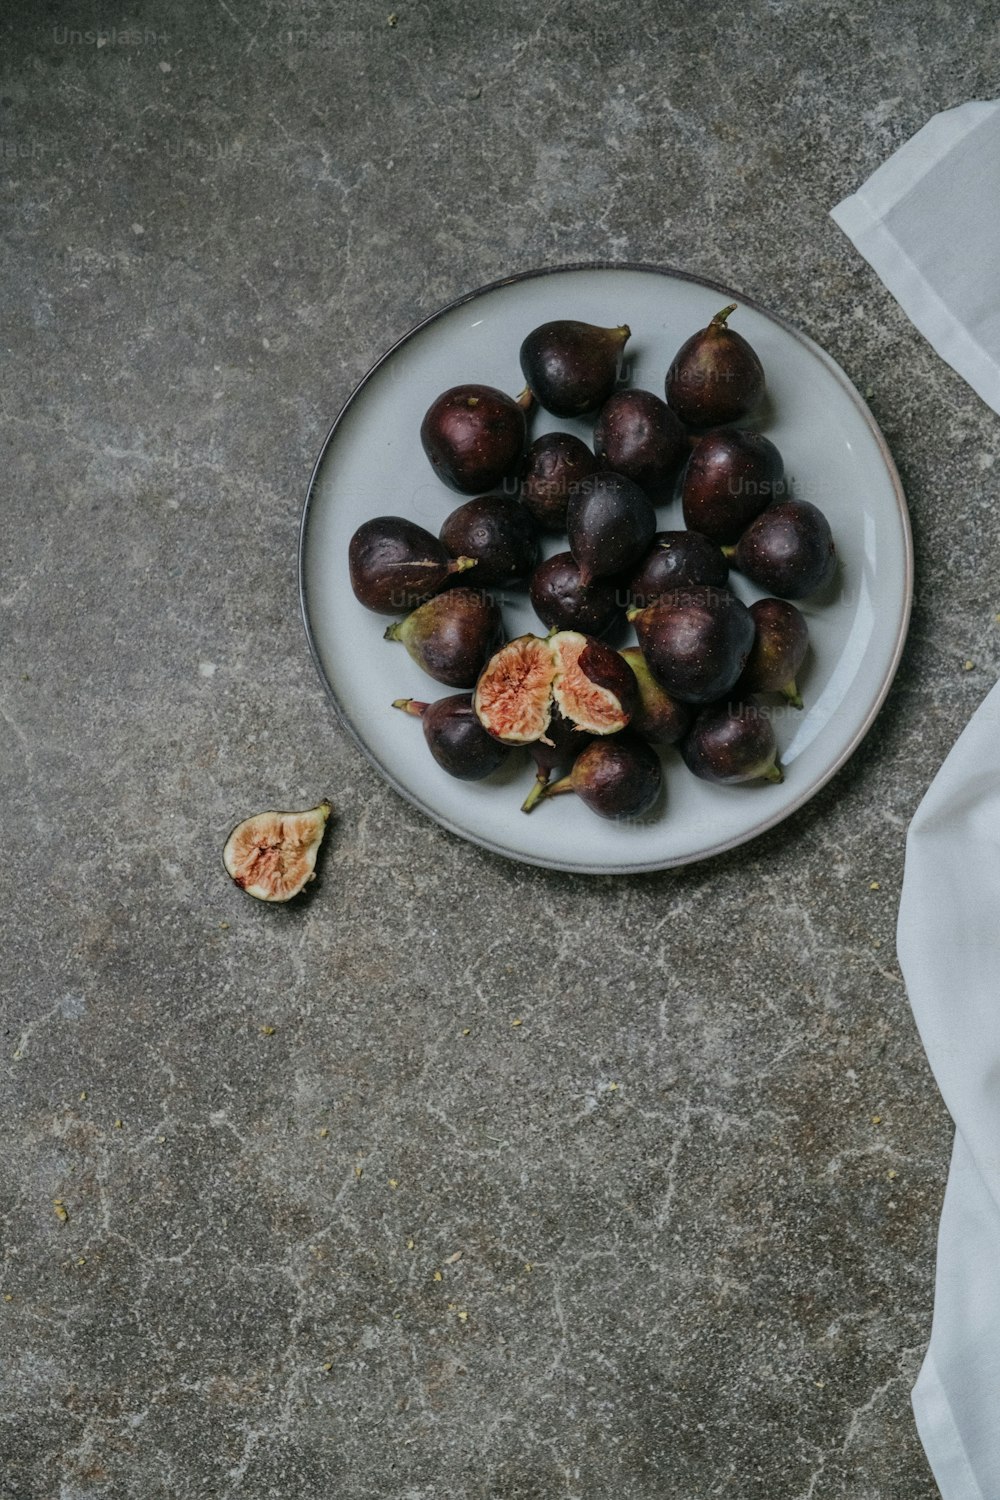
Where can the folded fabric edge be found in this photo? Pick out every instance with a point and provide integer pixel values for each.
(902, 171)
(939, 1435)
(918, 299)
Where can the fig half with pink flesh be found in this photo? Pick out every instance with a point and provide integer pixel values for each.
(272, 855)
(529, 679)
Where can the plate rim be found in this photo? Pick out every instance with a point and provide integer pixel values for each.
(724, 846)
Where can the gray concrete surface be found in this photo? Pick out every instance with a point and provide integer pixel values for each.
(695, 1193)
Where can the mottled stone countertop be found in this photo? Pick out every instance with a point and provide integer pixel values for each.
(288, 1208)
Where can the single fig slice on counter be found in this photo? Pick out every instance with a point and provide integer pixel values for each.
(272, 855)
(474, 436)
(715, 376)
(498, 533)
(571, 367)
(396, 565)
(455, 737)
(452, 635)
(528, 679)
(618, 778)
(556, 463)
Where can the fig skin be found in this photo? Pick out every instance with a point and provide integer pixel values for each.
(455, 737)
(563, 602)
(618, 778)
(715, 376)
(730, 743)
(499, 533)
(696, 641)
(555, 465)
(474, 436)
(778, 651)
(677, 559)
(452, 635)
(788, 550)
(396, 565)
(272, 856)
(639, 436)
(610, 522)
(731, 476)
(658, 718)
(571, 367)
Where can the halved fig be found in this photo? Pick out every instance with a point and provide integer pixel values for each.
(513, 697)
(530, 678)
(273, 855)
(593, 687)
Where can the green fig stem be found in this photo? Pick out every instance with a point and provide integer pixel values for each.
(537, 791)
(624, 332)
(392, 632)
(632, 612)
(719, 321)
(526, 399)
(462, 564)
(553, 788)
(411, 706)
(791, 692)
(774, 773)
(729, 551)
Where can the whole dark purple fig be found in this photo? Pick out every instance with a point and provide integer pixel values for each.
(617, 778)
(556, 463)
(455, 737)
(474, 436)
(563, 602)
(452, 636)
(499, 533)
(778, 651)
(732, 742)
(639, 436)
(659, 718)
(395, 565)
(696, 641)
(610, 523)
(715, 376)
(571, 367)
(677, 559)
(788, 550)
(730, 478)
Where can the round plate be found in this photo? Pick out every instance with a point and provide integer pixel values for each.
(372, 464)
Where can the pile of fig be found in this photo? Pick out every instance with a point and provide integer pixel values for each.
(580, 530)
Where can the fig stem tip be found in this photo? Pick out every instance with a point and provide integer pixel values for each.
(719, 321)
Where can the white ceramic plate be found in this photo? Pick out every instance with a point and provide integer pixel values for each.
(372, 464)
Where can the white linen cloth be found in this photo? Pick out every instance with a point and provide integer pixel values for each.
(928, 221)
(948, 942)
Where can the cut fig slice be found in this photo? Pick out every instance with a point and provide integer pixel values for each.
(272, 855)
(513, 697)
(593, 687)
(529, 679)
